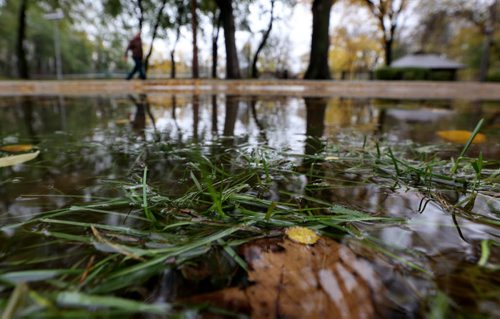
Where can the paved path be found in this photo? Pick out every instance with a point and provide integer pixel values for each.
(376, 89)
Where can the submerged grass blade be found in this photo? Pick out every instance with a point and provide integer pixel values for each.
(17, 277)
(149, 215)
(485, 253)
(230, 251)
(77, 299)
(15, 301)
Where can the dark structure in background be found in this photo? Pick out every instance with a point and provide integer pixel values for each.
(434, 67)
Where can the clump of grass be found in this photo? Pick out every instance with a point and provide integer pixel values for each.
(225, 202)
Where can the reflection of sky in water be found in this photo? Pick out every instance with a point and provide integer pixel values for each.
(433, 230)
(284, 123)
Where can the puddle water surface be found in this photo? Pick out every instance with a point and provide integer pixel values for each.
(94, 149)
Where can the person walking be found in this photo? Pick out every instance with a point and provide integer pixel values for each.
(135, 46)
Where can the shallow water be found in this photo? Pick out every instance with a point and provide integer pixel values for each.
(88, 143)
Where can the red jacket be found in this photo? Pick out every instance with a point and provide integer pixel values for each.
(135, 45)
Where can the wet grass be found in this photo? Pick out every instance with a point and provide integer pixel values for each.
(111, 256)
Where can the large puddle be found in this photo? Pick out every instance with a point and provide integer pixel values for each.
(427, 258)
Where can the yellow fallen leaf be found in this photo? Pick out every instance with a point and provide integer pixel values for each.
(302, 235)
(461, 137)
(122, 121)
(16, 148)
(17, 159)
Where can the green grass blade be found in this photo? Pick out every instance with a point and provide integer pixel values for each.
(76, 299)
(467, 145)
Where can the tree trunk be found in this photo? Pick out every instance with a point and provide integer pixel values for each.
(140, 6)
(320, 42)
(194, 27)
(22, 64)
(215, 45)
(232, 63)
(172, 64)
(255, 71)
(155, 33)
(485, 57)
(172, 54)
(388, 51)
(488, 41)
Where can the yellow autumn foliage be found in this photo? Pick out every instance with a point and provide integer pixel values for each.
(17, 148)
(461, 136)
(122, 121)
(302, 235)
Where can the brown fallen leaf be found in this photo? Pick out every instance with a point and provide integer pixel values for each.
(461, 137)
(292, 280)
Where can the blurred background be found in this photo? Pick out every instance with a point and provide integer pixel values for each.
(369, 39)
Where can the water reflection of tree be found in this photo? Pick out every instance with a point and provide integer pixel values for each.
(29, 120)
(315, 127)
(315, 124)
(214, 115)
(196, 116)
(232, 105)
(253, 109)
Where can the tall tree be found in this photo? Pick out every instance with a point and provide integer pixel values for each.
(320, 41)
(387, 13)
(194, 30)
(485, 18)
(488, 30)
(227, 18)
(482, 15)
(210, 8)
(179, 17)
(173, 68)
(265, 37)
(22, 64)
(215, 45)
(158, 20)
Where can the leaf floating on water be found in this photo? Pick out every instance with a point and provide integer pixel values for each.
(461, 137)
(302, 235)
(18, 148)
(17, 159)
(122, 121)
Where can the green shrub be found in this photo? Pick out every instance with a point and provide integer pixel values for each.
(388, 73)
(415, 74)
(442, 76)
(493, 76)
(412, 74)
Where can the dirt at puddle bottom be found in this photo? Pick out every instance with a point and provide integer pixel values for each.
(292, 280)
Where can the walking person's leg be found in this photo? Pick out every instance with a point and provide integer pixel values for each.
(137, 67)
(142, 73)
